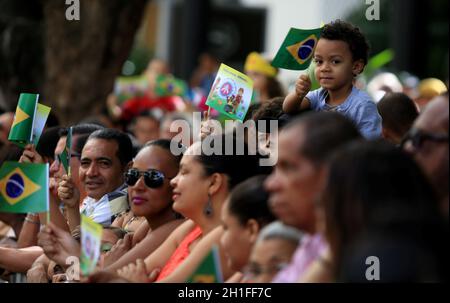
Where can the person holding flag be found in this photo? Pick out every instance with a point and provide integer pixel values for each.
(264, 76)
(340, 55)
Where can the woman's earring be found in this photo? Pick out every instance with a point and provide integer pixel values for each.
(208, 210)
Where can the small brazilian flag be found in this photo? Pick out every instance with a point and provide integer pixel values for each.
(24, 187)
(209, 271)
(65, 156)
(167, 85)
(297, 49)
(22, 128)
(29, 120)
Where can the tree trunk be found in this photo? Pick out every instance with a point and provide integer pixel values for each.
(84, 57)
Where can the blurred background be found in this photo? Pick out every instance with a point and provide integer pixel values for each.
(74, 65)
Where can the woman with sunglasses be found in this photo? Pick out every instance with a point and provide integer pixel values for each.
(150, 196)
(200, 190)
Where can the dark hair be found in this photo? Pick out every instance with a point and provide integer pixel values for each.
(237, 164)
(48, 141)
(249, 200)
(165, 144)
(344, 31)
(324, 133)
(80, 142)
(398, 112)
(80, 129)
(270, 110)
(124, 146)
(375, 188)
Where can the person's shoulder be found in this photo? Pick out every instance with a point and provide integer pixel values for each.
(183, 230)
(362, 96)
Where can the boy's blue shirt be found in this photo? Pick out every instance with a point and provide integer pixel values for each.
(358, 107)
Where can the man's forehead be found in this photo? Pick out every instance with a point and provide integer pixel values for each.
(290, 140)
(99, 148)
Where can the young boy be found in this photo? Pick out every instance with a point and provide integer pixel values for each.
(340, 55)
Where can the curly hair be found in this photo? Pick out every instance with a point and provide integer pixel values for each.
(344, 31)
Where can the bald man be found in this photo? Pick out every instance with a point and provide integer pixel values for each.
(428, 142)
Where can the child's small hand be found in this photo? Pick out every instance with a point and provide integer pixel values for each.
(302, 86)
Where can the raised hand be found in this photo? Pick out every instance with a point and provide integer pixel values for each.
(302, 86)
(68, 192)
(30, 155)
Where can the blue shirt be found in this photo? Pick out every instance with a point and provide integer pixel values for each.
(358, 107)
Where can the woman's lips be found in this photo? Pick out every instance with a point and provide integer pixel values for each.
(138, 200)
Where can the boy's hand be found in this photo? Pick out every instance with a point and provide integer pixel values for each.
(68, 192)
(302, 86)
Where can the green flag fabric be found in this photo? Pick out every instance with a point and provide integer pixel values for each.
(65, 156)
(24, 187)
(231, 93)
(209, 271)
(297, 49)
(167, 85)
(21, 131)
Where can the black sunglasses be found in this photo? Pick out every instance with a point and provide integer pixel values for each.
(152, 178)
(417, 137)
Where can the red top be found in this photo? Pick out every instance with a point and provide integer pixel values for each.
(180, 254)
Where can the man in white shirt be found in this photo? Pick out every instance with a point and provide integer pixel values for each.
(104, 159)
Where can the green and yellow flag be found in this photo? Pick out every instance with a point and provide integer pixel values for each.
(65, 156)
(297, 49)
(167, 85)
(29, 120)
(24, 187)
(91, 239)
(22, 128)
(209, 271)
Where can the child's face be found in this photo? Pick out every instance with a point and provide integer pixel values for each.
(334, 64)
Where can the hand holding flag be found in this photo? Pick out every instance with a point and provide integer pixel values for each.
(302, 86)
(68, 192)
(30, 155)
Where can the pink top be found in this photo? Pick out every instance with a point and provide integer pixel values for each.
(311, 247)
(180, 254)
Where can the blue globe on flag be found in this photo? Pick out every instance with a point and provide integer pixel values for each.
(15, 186)
(306, 49)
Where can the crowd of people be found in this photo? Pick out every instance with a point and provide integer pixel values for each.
(359, 175)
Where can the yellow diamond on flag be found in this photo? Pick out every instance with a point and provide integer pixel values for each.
(303, 50)
(16, 186)
(19, 117)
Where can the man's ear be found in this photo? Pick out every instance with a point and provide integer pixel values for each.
(358, 67)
